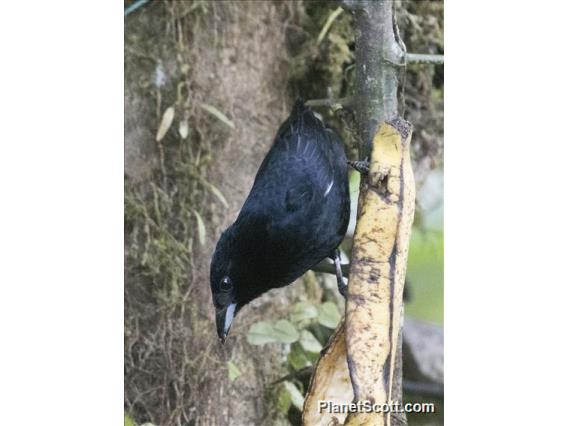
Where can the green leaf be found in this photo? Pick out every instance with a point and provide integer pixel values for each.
(166, 123)
(214, 190)
(218, 114)
(328, 315)
(309, 342)
(295, 395)
(284, 400)
(302, 312)
(354, 182)
(184, 128)
(234, 372)
(261, 333)
(285, 332)
(332, 17)
(297, 358)
(217, 193)
(201, 232)
(128, 420)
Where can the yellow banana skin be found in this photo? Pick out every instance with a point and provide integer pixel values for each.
(380, 251)
(358, 363)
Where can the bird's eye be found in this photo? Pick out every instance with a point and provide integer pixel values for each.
(226, 283)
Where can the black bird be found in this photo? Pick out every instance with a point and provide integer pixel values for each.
(295, 216)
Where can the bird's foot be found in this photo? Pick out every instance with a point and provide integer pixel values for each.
(361, 166)
(341, 286)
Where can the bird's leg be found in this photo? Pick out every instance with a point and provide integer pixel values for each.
(347, 116)
(341, 286)
(361, 166)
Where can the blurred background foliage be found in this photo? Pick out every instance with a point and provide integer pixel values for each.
(426, 257)
(206, 85)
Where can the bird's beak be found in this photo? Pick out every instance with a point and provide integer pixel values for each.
(224, 319)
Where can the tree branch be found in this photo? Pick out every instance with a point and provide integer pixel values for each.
(378, 51)
(377, 57)
(330, 103)
(423, 58)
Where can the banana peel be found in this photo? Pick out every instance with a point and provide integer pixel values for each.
(364, 346)
(330, 382)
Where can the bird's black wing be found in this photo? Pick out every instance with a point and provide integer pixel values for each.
(293, 203)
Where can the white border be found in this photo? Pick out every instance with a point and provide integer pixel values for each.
(61, 226)
(505, 213)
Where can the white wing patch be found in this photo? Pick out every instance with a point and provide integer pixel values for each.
(328, 188)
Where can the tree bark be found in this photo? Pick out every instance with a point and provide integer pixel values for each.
(378, 53)
(377, 58)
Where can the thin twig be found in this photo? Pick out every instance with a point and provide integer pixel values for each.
(424, 58)
(134, 6)
(332, 17)
(334, 104)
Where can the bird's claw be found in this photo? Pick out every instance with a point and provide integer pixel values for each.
(341, 286)
(361, 166)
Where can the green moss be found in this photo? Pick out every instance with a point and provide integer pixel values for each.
(318, 69)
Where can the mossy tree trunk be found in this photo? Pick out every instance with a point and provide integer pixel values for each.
(184, 54)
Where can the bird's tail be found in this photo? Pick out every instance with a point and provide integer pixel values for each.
(301, 121)
(297, 115)
(302, 118)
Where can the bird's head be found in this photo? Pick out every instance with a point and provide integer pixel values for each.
(239, 271)
(223, 290)
(225, 277)
(226, 307)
